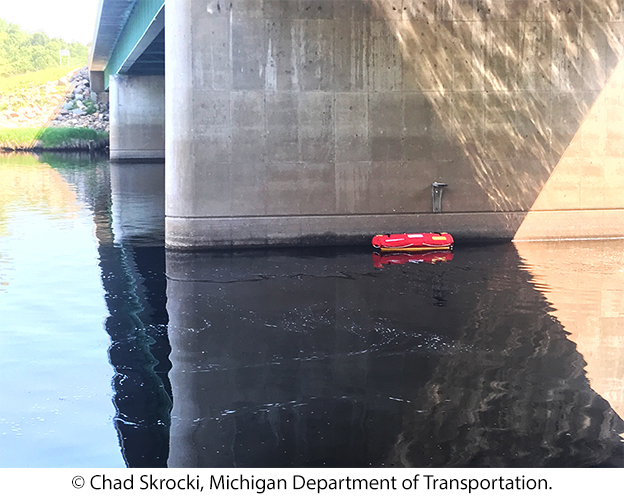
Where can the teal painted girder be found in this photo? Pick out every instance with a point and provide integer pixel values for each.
(142, 16)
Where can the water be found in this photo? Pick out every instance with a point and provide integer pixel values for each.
(116, 353)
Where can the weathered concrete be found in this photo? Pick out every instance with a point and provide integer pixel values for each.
(96, 79)
(258, 231)
(325, 121)
(584, 195)
(137, 118)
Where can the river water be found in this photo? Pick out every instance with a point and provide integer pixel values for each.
(115, 352)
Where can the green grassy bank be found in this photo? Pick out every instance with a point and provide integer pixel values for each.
(51, 139)
(12, 84)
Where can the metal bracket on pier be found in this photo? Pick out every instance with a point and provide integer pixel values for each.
(436, 195)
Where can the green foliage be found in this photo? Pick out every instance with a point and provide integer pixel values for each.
(90, 106)
(48, 138)
(15, 138)
(21, 52)
(56, 137)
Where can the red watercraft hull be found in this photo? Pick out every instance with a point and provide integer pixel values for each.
(413, 242)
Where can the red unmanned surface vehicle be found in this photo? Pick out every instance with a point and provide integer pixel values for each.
(413, 242)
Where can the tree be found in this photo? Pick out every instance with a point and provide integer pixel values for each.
(21, 52)
(39, 39)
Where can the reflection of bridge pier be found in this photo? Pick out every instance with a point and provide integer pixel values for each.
(593, 269)
(279, 361)
(129, 228)
(517, 395)
(309, 360)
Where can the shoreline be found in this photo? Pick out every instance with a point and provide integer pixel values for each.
(74, 120)
(99, 146)
(51, 138)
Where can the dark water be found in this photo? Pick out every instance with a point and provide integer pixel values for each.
(115, 352)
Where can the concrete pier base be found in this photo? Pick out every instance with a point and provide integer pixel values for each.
(137, 117)
(188, 233)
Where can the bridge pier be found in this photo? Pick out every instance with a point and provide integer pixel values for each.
(137, 118)
(285, 125)
(325, 122)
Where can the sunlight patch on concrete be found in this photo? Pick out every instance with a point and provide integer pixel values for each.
(584, 196)
(509, 83)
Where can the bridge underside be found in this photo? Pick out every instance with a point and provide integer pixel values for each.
(128, 60)
(326, 121)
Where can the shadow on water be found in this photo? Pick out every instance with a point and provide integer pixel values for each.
(332, 357)
(320, 359)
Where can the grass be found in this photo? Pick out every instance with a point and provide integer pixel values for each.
(26, 90)
(12, 84)
(49, 138)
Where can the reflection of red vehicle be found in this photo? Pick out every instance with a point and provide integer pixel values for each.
(412, 242)
(400, 258)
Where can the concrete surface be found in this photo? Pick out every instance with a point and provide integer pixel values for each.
(328, 120)
(137, 118)
(584, 195)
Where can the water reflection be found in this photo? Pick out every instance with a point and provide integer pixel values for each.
(489, 356)
(54, 371)
(319, 358)
(26, 184)
(584, 282)
(77, 305)
(129, 215)
(517, 393)
(398, 258)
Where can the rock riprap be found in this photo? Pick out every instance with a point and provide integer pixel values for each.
(66, 102)
(80, 108)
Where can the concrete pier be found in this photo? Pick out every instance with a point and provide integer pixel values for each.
(323, 122)
(137, 118)
(294, 122)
